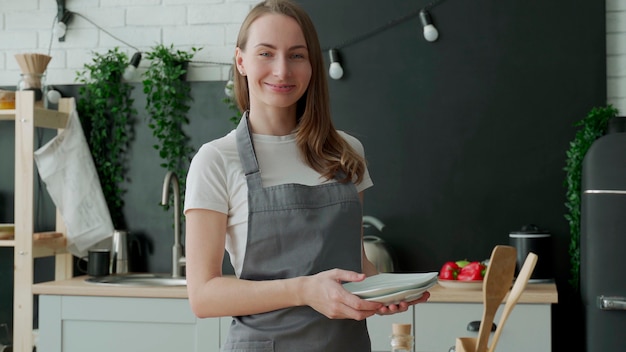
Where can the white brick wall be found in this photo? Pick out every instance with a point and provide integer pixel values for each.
(616, 54)
(26, 26)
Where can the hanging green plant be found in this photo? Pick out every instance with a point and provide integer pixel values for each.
(229, 99)
(236, 117)
(106, 110)
(592, 127)
(168, 99)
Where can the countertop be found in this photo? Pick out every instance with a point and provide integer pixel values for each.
(537, 293)
(77, 286)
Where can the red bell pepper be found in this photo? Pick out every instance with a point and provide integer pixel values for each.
(449, 271)
(472, 271)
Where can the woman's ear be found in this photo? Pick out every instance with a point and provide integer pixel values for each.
(239, 61)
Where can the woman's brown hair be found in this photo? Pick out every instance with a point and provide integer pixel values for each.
(320, 144)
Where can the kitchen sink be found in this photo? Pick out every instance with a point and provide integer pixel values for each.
(138, 279)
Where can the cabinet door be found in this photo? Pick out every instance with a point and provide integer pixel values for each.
(437, 325)
(78, 324)
(379, 327)
(225, 323)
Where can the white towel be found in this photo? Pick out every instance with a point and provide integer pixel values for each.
(66, 167)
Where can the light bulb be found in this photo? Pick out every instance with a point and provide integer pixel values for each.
(60, 29)
(53, 96)
(131, 69)
(430, 32)
(335, 71)
(129, 72)
(228, 90)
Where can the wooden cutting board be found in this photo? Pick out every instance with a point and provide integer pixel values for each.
(7, 231)
(46, 235)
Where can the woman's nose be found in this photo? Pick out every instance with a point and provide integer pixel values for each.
(281, 68)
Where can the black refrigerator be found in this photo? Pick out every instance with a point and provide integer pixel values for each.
(603, 243)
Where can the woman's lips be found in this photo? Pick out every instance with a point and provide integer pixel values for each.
(280, 87)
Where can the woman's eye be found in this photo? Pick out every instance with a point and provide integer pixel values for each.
(298, 56)
(266, 54)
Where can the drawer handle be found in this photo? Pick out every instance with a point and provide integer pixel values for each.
(474, 326)
(611, 303)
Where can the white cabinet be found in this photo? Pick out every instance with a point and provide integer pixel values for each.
(104, 324)
(104, 319)
(437, 325)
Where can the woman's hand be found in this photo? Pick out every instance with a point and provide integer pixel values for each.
(325, 293)
(402, 306)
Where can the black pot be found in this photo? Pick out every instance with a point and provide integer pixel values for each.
(532, 239)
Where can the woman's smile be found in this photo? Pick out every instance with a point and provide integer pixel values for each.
(281, 88)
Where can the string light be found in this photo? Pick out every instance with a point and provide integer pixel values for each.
(63, 17)
(335, 71)
(131, 70)
(430, 32)
(53, 95)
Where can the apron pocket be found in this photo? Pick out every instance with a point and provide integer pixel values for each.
(249, 346)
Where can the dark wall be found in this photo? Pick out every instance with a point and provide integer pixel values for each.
(465, 137)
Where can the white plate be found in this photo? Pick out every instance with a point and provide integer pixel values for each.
(402, 296)
(462, 284)
(388, 283)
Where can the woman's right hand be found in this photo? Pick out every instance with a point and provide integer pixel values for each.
(325, 293)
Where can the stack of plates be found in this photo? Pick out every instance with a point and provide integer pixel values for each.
(392, 288)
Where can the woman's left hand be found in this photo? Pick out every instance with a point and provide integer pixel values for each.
(402, 306)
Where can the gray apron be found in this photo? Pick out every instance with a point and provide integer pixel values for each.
(296, 230)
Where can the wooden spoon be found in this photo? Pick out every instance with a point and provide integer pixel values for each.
(516, 292)
(496, 285)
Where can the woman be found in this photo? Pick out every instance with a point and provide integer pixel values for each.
(283, 194)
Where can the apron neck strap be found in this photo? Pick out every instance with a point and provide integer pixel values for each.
(247, 154)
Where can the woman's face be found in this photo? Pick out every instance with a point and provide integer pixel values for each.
(275, 61)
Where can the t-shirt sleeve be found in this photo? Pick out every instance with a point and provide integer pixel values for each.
(358, 147)
(206, 186)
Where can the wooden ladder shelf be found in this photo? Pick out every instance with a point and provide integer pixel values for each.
(26, 243)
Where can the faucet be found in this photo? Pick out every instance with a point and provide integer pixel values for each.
(178, 259)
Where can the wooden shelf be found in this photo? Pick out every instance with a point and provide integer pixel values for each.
(27, 244)
(42, 117)
(6, 113)
(7, 243)
(45, 244)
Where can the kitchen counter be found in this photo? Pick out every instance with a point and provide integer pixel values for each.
(76, 316)
(538, 293)
(545, 293)
(78, 287)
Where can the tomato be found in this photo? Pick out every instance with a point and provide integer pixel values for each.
(449, 271)
(472, 271)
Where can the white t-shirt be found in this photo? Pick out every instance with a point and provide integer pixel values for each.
(215, 180)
